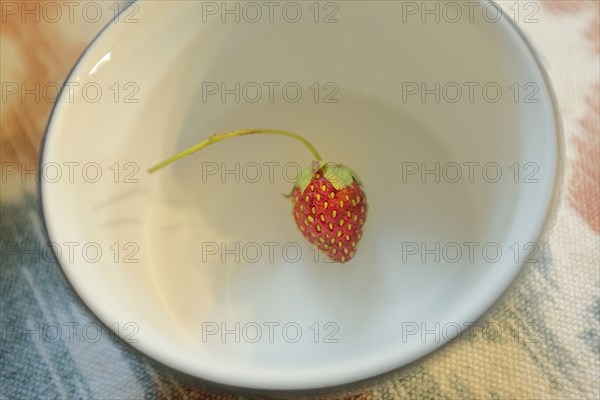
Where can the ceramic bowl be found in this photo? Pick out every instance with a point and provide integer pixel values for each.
(450, 124)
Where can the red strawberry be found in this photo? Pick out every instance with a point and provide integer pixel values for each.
(330, 206)
(330, 209)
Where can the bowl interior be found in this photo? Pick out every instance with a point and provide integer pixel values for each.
(210, 266)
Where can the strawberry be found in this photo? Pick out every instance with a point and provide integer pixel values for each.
(329, 203)
(330, 209)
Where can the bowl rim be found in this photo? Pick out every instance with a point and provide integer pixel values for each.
(138, 350)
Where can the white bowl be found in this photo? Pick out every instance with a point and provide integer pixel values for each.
(161, 238)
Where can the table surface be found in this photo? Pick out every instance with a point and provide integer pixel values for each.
(557, 299)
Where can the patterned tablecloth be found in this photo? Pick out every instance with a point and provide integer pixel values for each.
(559, 296)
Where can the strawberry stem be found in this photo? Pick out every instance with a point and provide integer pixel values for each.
(217, 137)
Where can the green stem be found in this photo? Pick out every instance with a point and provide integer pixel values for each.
(217, 137)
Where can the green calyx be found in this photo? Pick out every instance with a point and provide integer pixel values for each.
(339, 175)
